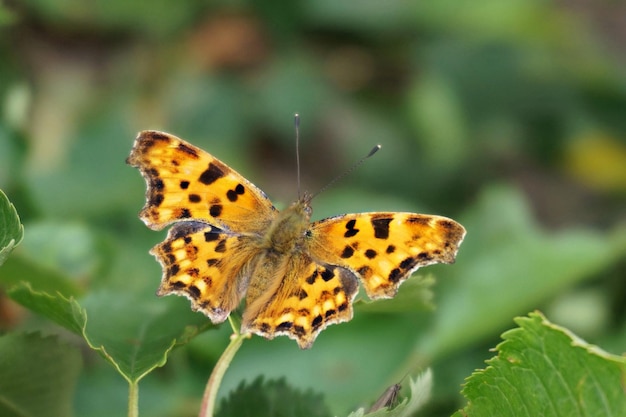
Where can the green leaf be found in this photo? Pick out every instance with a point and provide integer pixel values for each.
(11, 230)
(272, 398)
(134, 334)
(66, 312)
(420, 393)
(37, 376)
(545, 370)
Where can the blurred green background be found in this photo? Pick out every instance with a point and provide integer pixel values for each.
(509, 117)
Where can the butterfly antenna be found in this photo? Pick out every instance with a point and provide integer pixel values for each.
(297, 124)
(348, 171)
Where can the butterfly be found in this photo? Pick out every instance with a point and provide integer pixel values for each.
(228, 242)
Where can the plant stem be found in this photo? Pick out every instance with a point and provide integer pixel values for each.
(213, 385)
(133, 399)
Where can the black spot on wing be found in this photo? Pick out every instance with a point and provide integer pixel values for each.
(188, 150)
(216, 210)
(210, 236)
(327, 274)
(424, 256)
(221, 246)
(317, 321)
(395, 275)
(381, 228)
(423, 220)
(408, 263)
(311, 278)
(194, 291)
(174, 269)
(233, 195)
(285, 325)
(157, 184)
(211, 174)
(178, 284)
(156, 199)
(364, 271)
(347, 252)
(212, 262)
(350, 229)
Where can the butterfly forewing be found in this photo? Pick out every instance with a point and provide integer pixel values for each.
(187, 183)
(383, 249)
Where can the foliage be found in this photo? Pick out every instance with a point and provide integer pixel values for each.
(37, 375)
(272, 398)
(11, 230)
(543, 369)
(507, 118)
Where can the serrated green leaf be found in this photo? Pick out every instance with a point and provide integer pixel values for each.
(136, 334)
(37, 376)
(11, 230)
(420, 389)
(66, 312)
(132, 333)
(272, 398)
(544, 370)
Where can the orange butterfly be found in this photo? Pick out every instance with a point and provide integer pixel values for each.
(228, 242)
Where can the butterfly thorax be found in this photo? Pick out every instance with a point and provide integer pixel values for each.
(288, 229)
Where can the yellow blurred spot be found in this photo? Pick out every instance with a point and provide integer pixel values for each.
(598, 161)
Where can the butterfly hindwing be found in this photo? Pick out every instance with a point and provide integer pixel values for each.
(384, 249)
(187, 183)
(310, 297)
(206, 265)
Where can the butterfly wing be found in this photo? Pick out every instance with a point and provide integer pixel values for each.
(310, 297)
(384, 249)
(215, 211)
(187, 183)
(206, 265)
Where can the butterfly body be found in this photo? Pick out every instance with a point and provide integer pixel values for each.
(228, 243)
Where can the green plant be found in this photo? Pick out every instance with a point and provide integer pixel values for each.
(541, 368)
